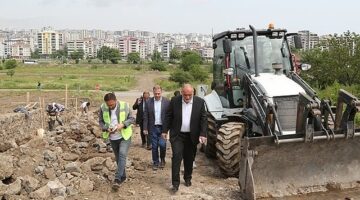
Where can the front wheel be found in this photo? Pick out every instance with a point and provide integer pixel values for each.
(228, 147)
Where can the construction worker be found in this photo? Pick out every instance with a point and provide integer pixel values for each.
(55, 109)
(85, 107)
(115, 120)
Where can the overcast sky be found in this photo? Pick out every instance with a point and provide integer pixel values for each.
(184, 16)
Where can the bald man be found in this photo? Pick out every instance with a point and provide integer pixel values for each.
(186, 120)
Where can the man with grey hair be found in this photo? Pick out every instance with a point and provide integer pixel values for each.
(139, 105)
(186, 119)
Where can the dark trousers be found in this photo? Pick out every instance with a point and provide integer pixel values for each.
(145, 139)
(183, 149)
(157, 141)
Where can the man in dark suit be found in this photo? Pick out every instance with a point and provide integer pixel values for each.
(139, 105)
(154, 115)
(186, 120)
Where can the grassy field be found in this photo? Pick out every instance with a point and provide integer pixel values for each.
(119, 77)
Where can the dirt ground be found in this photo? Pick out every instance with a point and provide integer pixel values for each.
(144, 183)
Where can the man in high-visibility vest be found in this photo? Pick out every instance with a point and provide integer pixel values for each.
(115, 119)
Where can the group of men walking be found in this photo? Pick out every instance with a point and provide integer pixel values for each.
(183, 117)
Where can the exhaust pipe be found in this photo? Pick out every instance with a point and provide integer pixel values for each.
(255, 50)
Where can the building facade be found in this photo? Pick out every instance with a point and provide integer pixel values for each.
(166, 48)
(207, 53)
(128, 45)
(49, 42)
(87, 46)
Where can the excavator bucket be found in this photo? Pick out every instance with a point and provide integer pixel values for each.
(276, 170)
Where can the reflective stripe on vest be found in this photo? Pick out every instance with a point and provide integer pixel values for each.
(124, 112)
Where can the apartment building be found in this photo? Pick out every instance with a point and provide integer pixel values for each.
(128, 45)
(207, 53)
(309, 40)
(142, 49)
(49, 41)
(166, 48)
(87, 46)
(20, 50)
(150, 43)
(2, 47)
(194, 45)
(17, 48)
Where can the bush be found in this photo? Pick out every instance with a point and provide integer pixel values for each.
(10, 64)
(137, 68)
(198, 73)
(190, 58)
(160, 66)
(114, 61)
(167, 85)
(71, 77)
(181, 77)
(10, 73)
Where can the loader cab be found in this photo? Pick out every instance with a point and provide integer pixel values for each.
(273, 56)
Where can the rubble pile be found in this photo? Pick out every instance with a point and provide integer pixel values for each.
(70, 160)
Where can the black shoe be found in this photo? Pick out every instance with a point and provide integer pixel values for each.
(188, 183)
(175, 188)
(148, 147)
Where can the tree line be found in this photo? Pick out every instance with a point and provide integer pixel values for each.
(338, 62)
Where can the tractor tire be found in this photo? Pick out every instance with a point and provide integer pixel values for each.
(228, 147)
(210, 148)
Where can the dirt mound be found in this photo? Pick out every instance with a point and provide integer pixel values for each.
(73, 162)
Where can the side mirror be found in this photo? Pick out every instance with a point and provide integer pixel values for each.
(305, 67)
(297, 41)
(214, 45)
(227, 45)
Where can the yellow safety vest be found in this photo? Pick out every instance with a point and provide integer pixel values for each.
(124, 112)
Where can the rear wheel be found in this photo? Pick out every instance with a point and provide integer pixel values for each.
(228, 147)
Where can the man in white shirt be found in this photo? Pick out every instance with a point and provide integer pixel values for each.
(187, 121)
(85, 107)
(115, 120)
(154, 116)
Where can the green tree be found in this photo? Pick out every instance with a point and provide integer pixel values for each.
(156, 56)
(181, 76)
(10, 73)
(58, 54)
(199, 73)
(35, 54)
(175, 54)
(133, 57)
(160, 66)
(107, 53)
(339, 62)
(77, 55)
(188, 59)
(10, 64)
